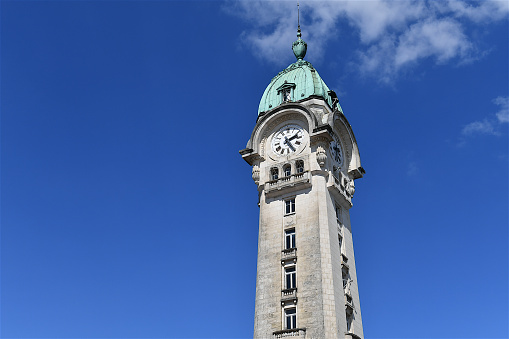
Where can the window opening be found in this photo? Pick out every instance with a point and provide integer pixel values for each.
(287, 170)
(347, 281)
(290, 206)
(349, 320)
(286, 91)
(300, 166)
(346, 277)
(290, 318)
(348, 299)
(289, 239)
(338, 214)
(290, 277)
(274, 173)
(287, 94)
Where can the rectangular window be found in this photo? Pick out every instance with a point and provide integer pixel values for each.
(349, 320)
(290, 318)
(290, 239)
(348, 299)
(290, 206)
(338, 214)
(287, 94)
(290, 277)
(340, 240)
(345, 275)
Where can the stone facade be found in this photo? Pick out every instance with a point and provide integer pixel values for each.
(322, 300)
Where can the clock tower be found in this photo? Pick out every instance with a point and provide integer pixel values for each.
(304, 160)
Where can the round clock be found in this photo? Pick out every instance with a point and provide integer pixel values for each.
(287, 140)
(335, 150)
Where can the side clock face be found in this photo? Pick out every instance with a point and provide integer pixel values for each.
(287, 140)
(335, 150)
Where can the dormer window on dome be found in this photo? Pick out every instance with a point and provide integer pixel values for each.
(285, 91)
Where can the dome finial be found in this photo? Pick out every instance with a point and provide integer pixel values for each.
(299, 47)
(298, 21)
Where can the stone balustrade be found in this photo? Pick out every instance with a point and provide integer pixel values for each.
(294, 332)
(286, 182)
(340, 186)
(289, 253)
(290, 293)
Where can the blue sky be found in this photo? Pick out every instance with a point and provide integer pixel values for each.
(126, 210)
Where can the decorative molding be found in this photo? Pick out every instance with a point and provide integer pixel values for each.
(282, 119)
(262, 146)
(350, 187)
(289, 220)
(321, 156)
(256, 174)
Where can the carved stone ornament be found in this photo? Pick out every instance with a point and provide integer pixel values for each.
(321, 156)
(350, 187)
(256, 174)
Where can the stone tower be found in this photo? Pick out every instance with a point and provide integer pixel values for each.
(304, 160)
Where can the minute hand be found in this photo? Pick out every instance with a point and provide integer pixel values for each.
(287, 141)
(294, 136)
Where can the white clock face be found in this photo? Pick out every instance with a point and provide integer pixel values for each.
(335, 151)
(287, 140)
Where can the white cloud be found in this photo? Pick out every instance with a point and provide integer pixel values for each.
(375, 18)
(478, 12)
(480, 127)
(393, 35)
(503, 113)
(490, 126)
(441, 38)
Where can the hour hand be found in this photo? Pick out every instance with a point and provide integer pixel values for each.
(289, 144)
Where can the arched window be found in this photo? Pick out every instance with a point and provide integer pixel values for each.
(300, 166)
(274, 173)
(287, 169)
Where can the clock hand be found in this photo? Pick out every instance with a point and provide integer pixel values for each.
(294, 136)
(289, 144)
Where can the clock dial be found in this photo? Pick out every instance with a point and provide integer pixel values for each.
(335, 150)
(287, 140)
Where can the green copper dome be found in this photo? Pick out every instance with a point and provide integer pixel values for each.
(302, 81)
(298, 81)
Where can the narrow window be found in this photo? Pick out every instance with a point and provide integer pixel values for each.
(290, 318)
(290, 206)
(348, 299)
(299, 166)
(338, 214)
(289, 239)
(349, 320)
(346, 277)
(287, 94)
(274, 173)
(290, 277)
(340, 240)
(287, 170)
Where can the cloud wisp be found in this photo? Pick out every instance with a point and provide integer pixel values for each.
(492, 125)
(393, 36)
